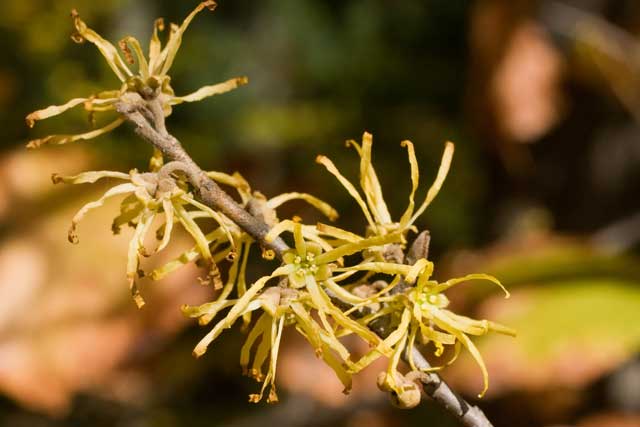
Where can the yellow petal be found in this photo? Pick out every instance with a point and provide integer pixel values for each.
(207, 91)
(323, 207)
(259, 329)
(155, 45)
(52, 110)
(337, 233)
(109, 52)
(300, 244)
(441, 287)
(445, 164)
(219, 218)
(64, 139)
(115, 191)
(370, 183)
(328, 164)
(175, 39)
(168, 224)
(415, 180)
(133, 259)
(88, 177)
(351, 248)
(238, 309)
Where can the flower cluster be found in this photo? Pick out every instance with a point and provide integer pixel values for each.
(331, 283)
(149, 79)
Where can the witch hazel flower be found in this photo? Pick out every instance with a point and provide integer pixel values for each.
(146, 76)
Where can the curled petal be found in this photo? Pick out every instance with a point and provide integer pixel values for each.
(52, 110)
(259, 329)
(351, 248)
(135, 244)
(238, 309)
(416, 269)
(415, 180)
(168, 225)
(154, 45)
(322, 343)
(323, 207)
(207, 91)
(219, 218)
(115, 191)
(301, 245)
(337, 233)
(64, 139)
(388, 343)
(324, 304)
(441, 287)
(130, 209)
(194, 230)
(380, 267)
(341, 293)
(236, 180)
(370, 183)
(445, 164)
(168, 54)
(109, 52)
(328, 164)
(88, 177)
(190, 256)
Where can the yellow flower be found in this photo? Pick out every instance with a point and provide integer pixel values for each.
(420, 312)
(258, 205)
(372, 204)
(150, 79)
(148, 195)
(306, 285)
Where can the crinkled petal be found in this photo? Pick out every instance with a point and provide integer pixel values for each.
(88, 177)
(258, 330)
(53, 110)
(64, 139)
(415, 180)
(211, 90)
(155, 46)
(238, 309)
(328, 164)
(130, 209)
(351, 248)
(441, 287)
(115, 191)
(445, 164)
(168, 54)
(337, 233)
(133, 259)
(109, 51)
(323, 207)
(370, 183)
(219, 218)
(167, 206)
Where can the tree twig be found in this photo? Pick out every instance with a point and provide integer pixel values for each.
(148, 117)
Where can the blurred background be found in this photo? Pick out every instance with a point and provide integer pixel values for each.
(542, 99)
